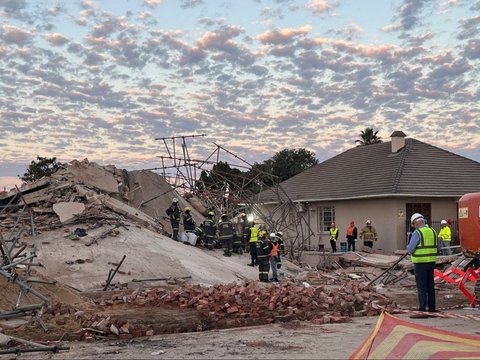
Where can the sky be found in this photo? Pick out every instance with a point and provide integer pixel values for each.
(105, 79)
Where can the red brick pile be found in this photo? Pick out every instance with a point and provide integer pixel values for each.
(251, 303)
(229, 305)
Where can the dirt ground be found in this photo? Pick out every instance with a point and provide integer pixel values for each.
(294, 340)
(291, 340)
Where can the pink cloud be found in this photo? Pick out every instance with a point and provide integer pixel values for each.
(16, 35)
(56, 39)
(318, 7)
(279, 36)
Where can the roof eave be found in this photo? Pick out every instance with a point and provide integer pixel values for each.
(377, 196)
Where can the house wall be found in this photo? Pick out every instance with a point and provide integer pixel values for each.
(388, 216)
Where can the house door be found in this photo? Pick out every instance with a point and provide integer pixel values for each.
(411, 208)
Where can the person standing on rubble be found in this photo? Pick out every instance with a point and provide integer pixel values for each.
(281, 242)
(351, 236)
(188, 222)
(174, 213)
(225, 234)
(274, 255)
(445, 236)
(243, 231)
(209, 229)
(368, 234)
(333, 237)
(263, 256)
(423, 247)
(252, 238)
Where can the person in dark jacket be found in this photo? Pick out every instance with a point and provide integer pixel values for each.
(188, 222)
(225, 234)
(263, 256)
(352, 235)
(209, 229)
(174, 214)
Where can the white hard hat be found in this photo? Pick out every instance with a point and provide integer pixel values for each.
(280, 233)
(368, 222)
(272, 235)
(415, 217)
(175, 200)
(443, 222)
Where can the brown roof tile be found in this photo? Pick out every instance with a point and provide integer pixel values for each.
(417, 169)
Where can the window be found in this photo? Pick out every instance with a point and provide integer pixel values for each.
(325, 217)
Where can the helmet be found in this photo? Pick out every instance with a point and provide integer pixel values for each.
(224, 216)
(243, 214)
(368, 222)
(175, 200)
(272, 236)
(443, 222)
(415, 217)
(262, 233)
(186, 209)
(279, 233)
(211, 213)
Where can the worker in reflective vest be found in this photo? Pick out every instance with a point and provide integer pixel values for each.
(423, 247)
(262, 256)
(252, 238)
(445, 236)
(333, 237)
(274, 256)
(209, 229)
(225, 234)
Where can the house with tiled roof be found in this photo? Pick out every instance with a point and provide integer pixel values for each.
(385, 183)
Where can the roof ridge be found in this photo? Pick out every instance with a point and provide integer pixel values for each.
(449, 152)
(405, 150)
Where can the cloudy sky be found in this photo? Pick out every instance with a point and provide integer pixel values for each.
(102, 79)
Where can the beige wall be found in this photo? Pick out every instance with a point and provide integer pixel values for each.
(387, 216)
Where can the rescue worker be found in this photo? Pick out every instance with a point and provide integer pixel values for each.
(209, 229)
(263, 256)
(281, 242)
(423, 247)
(445, 236)
(252, 238)
(243, 233)
(273, 248)
(333, 237)
(225, 234)
(174, 214)
(351, 236)
(368, 234)
(188, 222)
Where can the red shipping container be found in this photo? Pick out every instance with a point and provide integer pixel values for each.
(469, 224)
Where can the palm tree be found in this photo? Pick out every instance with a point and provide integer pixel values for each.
(368, 137)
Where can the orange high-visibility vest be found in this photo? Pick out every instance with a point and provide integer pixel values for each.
(274, 251)
(350, 230)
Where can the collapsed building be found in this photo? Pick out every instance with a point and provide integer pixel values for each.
(86, 253)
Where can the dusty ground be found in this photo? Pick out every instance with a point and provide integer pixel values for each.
(295, 340)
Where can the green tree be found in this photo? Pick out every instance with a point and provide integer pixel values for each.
(283, 165)
(40, 168)
(368, 137)
(219, 176)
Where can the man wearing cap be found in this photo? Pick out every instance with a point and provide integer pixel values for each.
(423, 247)
(445, 236)
(174, 213)
(368, 234)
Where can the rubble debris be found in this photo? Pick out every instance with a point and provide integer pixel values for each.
(66, 211)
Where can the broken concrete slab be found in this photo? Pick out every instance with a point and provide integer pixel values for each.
(67, 211)
(128, 211)
(93, 175)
